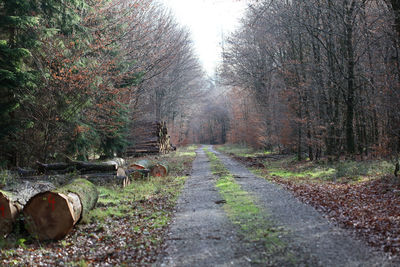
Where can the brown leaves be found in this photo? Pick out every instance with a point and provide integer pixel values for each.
(370, 208)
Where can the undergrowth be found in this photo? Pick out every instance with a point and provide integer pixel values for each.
(288, 167)
(242, 150)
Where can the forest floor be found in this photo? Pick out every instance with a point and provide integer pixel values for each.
(361, 196)
(127, 227)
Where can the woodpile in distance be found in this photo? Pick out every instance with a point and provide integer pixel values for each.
(149, 138)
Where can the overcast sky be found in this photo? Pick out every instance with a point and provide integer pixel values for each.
(208, 20)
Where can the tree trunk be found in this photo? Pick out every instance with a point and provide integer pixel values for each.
(9, 211)
(13, 200)
(350, 81)
(159, 170)
(52, 214)
(80, 166)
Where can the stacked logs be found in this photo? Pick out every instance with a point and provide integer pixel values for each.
(145, 168)
(149, 138)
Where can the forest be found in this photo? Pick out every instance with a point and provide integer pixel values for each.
(76, 75)
(318, 78)
(119, 147)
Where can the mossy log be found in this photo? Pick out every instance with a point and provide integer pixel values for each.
(120, 179)
(159, 170)
(51, 215)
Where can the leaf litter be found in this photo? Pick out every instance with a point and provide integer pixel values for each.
(133, 237)
(370, 208)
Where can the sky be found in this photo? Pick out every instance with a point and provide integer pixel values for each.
(208, 21)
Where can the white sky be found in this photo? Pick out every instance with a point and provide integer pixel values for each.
(208, 21)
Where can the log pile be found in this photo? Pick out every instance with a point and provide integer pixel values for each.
(144, 168)
(82, 167)
(149, 138)
(99, 173)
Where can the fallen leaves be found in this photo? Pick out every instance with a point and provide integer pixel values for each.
(370, 208)
(133, 240)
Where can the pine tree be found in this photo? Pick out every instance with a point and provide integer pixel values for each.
(17, 78)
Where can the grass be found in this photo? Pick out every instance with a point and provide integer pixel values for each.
(289, 167)
(117, 202)
(243, 211)
(242, 150)
(342, 172)
(141, 211)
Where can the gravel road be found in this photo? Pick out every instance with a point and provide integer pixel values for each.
(202, 235)
(329, 244)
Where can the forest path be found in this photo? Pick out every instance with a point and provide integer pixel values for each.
(200, 233)
(307, 228)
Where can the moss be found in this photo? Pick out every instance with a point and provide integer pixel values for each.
(242, 209)
(86, 191)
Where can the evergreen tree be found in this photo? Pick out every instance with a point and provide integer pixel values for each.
(17, 78)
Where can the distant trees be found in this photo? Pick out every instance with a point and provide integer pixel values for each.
(211, 121)
(75, 74)
(323, 74)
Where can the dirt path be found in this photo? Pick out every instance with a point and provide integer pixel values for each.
(330, 245)
(201, 234)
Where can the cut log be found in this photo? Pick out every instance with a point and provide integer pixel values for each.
(117, 177)
(12, 202)
(26, 172)
(81, 166)
(136, 174)
(106, 179)
(52, 214)
(9, 211)
(117, 162)
(159, 170)
(141, 164)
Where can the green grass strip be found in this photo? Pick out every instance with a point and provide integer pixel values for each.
(243, 211)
